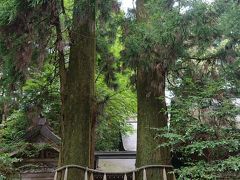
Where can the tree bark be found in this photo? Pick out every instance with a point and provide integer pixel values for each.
(151, 112)
(79, 90)
(62, 74)
(151, 116)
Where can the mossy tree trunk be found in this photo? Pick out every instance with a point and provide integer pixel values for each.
(151, 116)
(151, 112)
(79, 91)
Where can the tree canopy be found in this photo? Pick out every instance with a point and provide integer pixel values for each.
(87, 67)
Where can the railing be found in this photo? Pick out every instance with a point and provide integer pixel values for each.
(91, 172)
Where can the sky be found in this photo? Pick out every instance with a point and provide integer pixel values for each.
(129, 4)
(126, 4)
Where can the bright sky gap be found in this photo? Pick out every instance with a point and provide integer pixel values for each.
(129, 4)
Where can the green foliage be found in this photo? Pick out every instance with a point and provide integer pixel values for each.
(199, 45)
(120, 106)
(203, 128)
(34, 3)
(42, 90)
(109, 45)
(228, 21)
(23, 40)
(6, 163)
(157, 38)
(112, 87)
(218, 169)
(14, 128)
(11, 134)
(8, 11)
